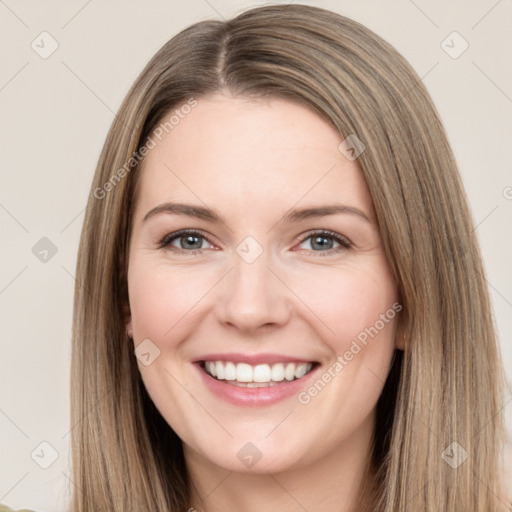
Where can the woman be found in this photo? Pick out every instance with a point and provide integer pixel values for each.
(280, 301)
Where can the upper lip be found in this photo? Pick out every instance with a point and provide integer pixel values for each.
(252, 359)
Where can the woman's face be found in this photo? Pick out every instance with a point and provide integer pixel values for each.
(231, 273)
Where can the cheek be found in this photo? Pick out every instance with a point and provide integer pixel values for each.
(354, 311)
(345, 303)
(161, 297)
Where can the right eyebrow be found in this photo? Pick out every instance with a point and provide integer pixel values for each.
(198, 212)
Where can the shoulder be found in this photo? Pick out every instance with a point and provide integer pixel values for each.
(5, 508)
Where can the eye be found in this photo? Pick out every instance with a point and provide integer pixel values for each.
(185, 241)
(192, 242)
(324, 241)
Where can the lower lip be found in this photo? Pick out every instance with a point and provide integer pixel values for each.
(253, 397)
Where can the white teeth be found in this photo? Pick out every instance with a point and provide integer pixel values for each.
(260, 375)
(301, 370)
(278, 372)
(210, 366)
(289, 371)
(230, 371)
(219, 370)
(243, 372)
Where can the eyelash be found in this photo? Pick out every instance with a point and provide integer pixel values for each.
(166, 241)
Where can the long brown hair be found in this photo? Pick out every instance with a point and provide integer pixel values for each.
(444, 388)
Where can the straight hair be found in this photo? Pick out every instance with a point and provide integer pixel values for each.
(444, 388)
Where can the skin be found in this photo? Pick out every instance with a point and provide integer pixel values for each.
(252, 161)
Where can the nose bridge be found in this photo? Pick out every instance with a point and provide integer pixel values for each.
(252, 296)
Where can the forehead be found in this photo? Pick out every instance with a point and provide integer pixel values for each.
(246, 154)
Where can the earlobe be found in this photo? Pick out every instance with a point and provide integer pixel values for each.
(400, 341)
(401, 336)
(401, 331)
(129, 329)
(127, 315)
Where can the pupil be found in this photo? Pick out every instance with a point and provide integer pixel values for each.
(322, 242)
(193, 242)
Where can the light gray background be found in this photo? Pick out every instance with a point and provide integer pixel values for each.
(55, 113)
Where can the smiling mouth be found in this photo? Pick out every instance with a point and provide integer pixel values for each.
(256, 376)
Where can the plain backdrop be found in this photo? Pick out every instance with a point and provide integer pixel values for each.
(56, 109)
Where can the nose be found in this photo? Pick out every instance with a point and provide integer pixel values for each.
(252, 297)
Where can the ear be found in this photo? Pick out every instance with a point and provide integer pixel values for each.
(400, 339)
(127, 317)
(126, 310)
(401, 330)
(129, 328)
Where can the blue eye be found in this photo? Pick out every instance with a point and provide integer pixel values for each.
(188, 241)
(323, 241)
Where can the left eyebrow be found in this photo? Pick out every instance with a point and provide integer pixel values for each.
(309, 213)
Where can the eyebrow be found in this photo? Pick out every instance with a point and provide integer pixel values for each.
(290, 217)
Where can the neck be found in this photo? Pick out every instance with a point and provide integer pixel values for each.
(334, 481)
